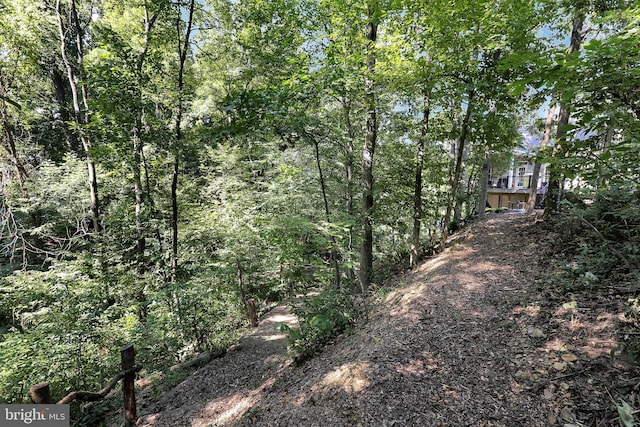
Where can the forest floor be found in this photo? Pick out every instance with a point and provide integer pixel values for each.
(470, 338)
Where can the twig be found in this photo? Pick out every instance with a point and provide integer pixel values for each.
(572, 374)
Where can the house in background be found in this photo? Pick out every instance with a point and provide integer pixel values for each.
(510, 189)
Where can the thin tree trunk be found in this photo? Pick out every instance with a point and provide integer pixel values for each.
(535, 177)
(556, 179)
(137, 188)
(137, 138)
(366, 252)
(486, 172)
(58, 81)
(607, 138)
(455, 178)
(182, 53)
(174, 218)
(8, 139)
(152, 205)
(417, 193)
(86, 141)
(334, 254)
(248, 304)
(81, 118)
(349, 162)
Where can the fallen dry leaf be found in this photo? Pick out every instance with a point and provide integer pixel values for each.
(569, 357)
(559, 366)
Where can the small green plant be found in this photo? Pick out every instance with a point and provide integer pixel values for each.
(173, 378)
(252, 412)
(321, 317)
(626, 412)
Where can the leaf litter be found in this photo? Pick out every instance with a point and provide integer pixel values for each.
(470, 338)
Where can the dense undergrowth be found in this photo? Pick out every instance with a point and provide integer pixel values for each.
(66, 326)
(596, 251)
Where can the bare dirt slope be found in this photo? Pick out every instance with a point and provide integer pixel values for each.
(467, 339)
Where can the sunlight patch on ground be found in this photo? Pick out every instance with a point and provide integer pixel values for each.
(452, 393)
(473, 286)
(351, 377)
(432, 264)
(271, 337)
(594, 333)
(283, 319)
(556, 345)
(575, 324)
(529, 310)
(418, 367)
(412, 306)
(599, 347)
(226, 409)
(606, 321)
(431, 362)
(223, 409)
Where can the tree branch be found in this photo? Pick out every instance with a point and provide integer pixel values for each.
(91, 396)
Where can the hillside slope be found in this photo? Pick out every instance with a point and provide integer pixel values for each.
(468, 338)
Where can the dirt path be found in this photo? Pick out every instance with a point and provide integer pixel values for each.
(468, 339)
(227, 387)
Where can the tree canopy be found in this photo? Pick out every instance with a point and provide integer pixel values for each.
(164, 162)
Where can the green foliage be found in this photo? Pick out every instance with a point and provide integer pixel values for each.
(321, 317)
(265, 84)
(60, 332)
(602, 240)
(66, 327)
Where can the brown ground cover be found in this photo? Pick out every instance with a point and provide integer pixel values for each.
(470, 338)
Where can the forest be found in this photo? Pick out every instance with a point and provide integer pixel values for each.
(170, 166)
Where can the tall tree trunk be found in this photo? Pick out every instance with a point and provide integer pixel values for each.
(334, 252)
(607, 139)
(152, 205)
(417, 191)
(137, 187)
(60, 89)
(137, 142)
(8, 137)
(463, 188)
(535, 177)
(81, 113)
(371, 136)
(556, 178)
(348, 164)
(484, 184)
(183, 47)
(457, 172)
(248, 304)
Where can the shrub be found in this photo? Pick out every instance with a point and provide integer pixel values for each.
(603, 237)
(321, 317)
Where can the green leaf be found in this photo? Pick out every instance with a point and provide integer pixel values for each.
(625, 411)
